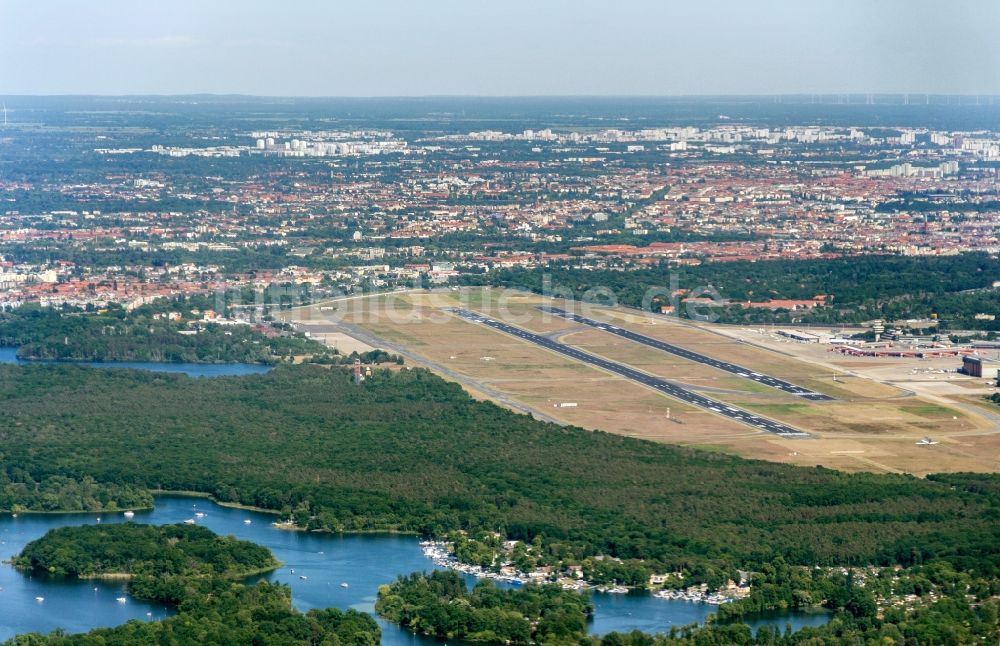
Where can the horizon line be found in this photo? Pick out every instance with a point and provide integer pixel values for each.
(508, 96)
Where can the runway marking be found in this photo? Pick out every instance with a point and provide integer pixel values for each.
(656, 383)
(679, 351)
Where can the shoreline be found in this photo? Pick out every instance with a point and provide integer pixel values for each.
(57, 512)
(106, 576)
(439, 554)
(128, 576)
(289, 526)
(211, 498)
(111, 362)
(79, 360)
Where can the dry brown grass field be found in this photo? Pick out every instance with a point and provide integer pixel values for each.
(871, 425)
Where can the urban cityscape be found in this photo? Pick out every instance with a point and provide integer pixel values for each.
(554, 324)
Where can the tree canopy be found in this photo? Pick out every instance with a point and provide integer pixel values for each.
(408, 451)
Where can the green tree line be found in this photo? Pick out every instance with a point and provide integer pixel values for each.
(19, 492)
(408, 451)
(954, 288)
(438, 604)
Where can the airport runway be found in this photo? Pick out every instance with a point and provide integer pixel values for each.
(746, 373)
(662, 385)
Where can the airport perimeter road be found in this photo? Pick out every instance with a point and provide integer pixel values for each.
(773, 382)
(656, 383)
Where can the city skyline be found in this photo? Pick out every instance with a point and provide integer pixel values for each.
(449, 47)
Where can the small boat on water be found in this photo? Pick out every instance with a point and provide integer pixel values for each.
(303, 577)
(344, 584)
(39, 599)
(129, 514)
(199, 514)
(189, 521)
(121, 599)
(247, 521)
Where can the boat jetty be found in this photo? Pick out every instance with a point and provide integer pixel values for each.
(695, 595)
(440, 553)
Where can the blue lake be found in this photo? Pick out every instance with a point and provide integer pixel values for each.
(9, 355)
(362, 561)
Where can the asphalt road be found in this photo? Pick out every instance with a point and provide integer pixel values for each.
(656, 383)
(747, 373)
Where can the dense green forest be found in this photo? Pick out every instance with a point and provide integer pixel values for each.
(894, 288)
(144, 334)
(779, 586)
(168, 330)
(143, 550)
(19, 492)
(409, 451)
(199, 573)
(439, 604)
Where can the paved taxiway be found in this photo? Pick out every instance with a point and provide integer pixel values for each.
(656, 383)
(767, 380)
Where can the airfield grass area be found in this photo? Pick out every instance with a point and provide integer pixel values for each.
(872, 425)
(705, 341)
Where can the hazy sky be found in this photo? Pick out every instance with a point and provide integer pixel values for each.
(498, 47)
